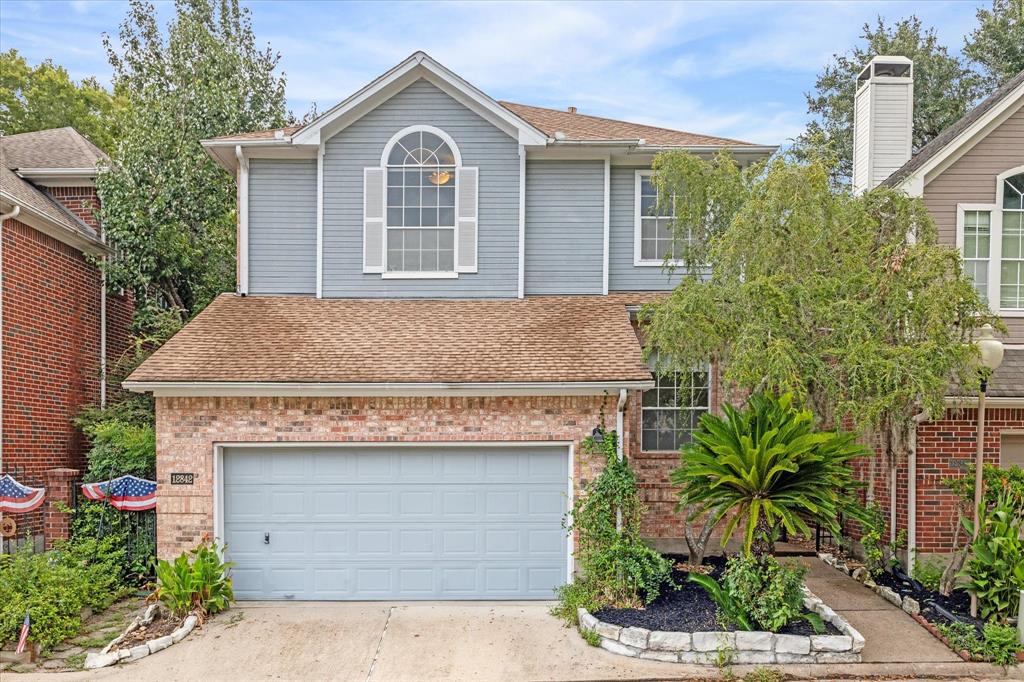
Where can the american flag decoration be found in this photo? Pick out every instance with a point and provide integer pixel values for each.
(127, 493)
(16, 498)
(23, 637)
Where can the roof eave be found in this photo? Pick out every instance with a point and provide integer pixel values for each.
(58, 231)
(382, 389)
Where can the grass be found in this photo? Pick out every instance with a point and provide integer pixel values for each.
(95, 641)
(591, 637)
(762, 674)
(76, 661)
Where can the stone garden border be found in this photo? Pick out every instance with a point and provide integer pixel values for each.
(739, 647)
(111, 655)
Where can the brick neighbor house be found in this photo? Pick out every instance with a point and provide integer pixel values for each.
(971, 179)
(59, 325)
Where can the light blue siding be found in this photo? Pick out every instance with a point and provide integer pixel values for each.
(481, 144)
(282, 226)
(564, 227)
(622, 274)
(412, 522)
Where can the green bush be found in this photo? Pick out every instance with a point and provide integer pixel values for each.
(572, 596)
(873, 528)
(995, 570)
(928, 573)
(54, 586)
(612, 559)
(768, 590)
(120, 447)
(767, 466)
(998, 643)
(196, 581)
(99, 520)
(730, 611)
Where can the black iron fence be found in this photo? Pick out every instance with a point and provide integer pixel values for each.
(137, 528)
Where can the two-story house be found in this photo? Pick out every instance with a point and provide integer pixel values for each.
(433, 311)
(971, 179)
(61, 327)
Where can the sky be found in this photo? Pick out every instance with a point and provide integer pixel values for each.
(733, 69)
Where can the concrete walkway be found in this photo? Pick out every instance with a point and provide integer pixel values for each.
(501, 641)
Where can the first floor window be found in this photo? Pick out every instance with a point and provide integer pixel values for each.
(672, 409)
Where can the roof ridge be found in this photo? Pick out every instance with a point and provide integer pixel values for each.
(618, 120)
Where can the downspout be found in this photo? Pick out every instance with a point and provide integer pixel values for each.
(103, 333)
(912, 492)
(619, 424)
(3, 217)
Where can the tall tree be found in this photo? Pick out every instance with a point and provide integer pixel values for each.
(168, 209)
(944, 88)
(849, 302)
(44, 96)
(997, 44)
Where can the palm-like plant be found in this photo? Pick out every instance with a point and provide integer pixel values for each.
(766, 465)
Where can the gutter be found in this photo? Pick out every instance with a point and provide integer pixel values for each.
(12, 214)
(382, 389)
(58, 231)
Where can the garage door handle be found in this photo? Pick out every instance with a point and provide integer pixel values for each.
(266, 538)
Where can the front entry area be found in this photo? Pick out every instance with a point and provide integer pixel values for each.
(395, 521)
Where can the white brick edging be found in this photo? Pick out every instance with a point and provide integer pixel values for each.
(738, 647)
(111, 655)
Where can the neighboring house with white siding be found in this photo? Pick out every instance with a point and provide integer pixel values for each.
(971, 179)
(433, 311)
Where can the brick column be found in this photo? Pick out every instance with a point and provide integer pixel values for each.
(57, 523)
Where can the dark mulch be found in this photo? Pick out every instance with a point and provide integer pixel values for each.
(958, 603)
(688, 609)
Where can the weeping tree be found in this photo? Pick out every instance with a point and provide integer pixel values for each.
(167, 207)
(789, 286)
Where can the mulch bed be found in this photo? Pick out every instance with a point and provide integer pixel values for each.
(958, 603)
(163, 624)
(689, 609)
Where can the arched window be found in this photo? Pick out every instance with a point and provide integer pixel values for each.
(1011, 281)
(420, 219)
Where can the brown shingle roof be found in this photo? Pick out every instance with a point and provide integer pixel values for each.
(52, 148)
(575, 126)
(298, 339)
(578, 126)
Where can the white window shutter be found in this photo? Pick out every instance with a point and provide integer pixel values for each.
(373, 220)
(467, 186)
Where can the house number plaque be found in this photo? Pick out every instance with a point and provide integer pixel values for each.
(183, 479)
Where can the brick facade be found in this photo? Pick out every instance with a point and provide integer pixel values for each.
(51, 347)
(188, 429)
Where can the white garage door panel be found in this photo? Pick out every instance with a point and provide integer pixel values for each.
(409, 522)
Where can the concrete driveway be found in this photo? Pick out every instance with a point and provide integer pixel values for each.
(368, 641)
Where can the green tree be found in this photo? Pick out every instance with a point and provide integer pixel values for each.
(44, 96)
(997, 44)
(849, 302)
(168, 208)
(944, 88)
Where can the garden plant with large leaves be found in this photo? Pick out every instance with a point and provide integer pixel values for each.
(768, 466)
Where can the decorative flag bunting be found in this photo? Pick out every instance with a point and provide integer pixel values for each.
(23, 638)
(16, 498)
(127, 493)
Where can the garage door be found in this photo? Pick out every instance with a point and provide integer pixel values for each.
(402, 522)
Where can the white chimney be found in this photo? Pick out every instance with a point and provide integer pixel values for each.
(883, 118)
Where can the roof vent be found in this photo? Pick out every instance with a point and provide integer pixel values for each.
(559, 135)
(278, 134)
(571, 110)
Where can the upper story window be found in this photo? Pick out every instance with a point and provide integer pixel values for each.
(670, 411)
(991, 238)
(653, 238)
(420, 217)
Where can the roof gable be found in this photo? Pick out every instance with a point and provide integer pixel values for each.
(960, 137)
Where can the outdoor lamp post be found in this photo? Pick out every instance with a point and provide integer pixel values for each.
(990, 350)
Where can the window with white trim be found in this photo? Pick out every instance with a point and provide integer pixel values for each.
(991, 239)
(420, 210)
(976, 248)
(1011, 267)
(653, 238)
(670, 411)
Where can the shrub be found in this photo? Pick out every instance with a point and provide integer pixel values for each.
(730, 611)
(620, 569)
(995, 570)
(572, 596)
(998, 643)
(54, 586)
(120, 447)
(873, 528)
(928, 573)
(767, 465)
(196, 581)
(768, 590)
